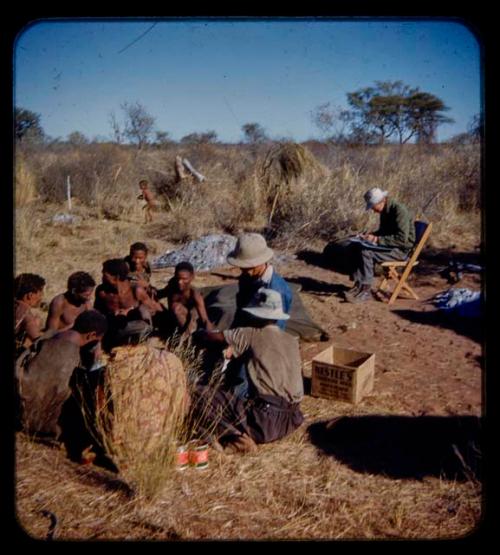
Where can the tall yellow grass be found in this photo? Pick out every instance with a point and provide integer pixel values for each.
(302, 194)
(25, 185)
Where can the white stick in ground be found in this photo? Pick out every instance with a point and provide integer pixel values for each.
(68, 192)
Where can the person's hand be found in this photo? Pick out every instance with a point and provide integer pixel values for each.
(371, 238)
(123, 311)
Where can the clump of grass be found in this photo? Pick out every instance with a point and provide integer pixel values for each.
(283, 165)
(145, 390)
(146, 411)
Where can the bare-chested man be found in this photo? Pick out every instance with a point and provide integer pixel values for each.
(66, 307)
(28, 293)
(44, 382)
(123, 302)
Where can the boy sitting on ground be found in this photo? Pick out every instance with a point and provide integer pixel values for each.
(28, 294)
(185, 303)
(66, 307)
(265, 406)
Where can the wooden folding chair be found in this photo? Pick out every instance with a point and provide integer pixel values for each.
(390, 268)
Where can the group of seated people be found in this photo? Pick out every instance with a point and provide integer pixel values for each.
(264, 374)
(260, 397)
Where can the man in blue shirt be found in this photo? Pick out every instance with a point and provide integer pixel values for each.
(252, 256)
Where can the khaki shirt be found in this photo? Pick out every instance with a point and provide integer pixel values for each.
(274, 366)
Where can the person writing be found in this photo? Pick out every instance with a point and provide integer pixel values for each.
(391, 241)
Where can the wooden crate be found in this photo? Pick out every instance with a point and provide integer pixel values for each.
(342, 374)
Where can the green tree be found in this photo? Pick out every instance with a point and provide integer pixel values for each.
(163, 138)
(77, 139)
(27, 126)
(208, 137)
(254, 133)
(424, 116)
(392, 109)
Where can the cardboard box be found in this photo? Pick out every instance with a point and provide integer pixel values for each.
(342, 374)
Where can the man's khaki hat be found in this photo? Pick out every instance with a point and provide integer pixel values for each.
(251, 250)
(268, 305)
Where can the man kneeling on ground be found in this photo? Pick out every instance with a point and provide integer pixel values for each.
(266, 405)
(44, 381)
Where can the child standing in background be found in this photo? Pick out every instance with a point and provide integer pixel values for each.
(149, 198)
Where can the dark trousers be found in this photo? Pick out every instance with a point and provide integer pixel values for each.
(366, 260)
(223, 414)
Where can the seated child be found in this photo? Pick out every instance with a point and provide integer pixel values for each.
(186, 305)
(140, 270)
(28, 293)
(65, 307)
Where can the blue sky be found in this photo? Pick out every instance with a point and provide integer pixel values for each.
(199, 75)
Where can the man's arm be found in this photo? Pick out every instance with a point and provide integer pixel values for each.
(202, 311)
(56, 309)
(32, 326)
(142, 296)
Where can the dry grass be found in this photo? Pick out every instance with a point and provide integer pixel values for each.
(303, 196)
(285, 491)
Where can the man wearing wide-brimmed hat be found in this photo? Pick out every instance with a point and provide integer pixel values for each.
(396, 234)
(252, 256)
(267, 407)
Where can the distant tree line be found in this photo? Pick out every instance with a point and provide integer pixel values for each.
(385, 112)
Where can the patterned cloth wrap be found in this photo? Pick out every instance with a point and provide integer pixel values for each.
(148, 393)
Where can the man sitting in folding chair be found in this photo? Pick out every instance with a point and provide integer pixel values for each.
(392, 241)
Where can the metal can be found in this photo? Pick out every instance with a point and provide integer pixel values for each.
(198, 455)
(182, 457)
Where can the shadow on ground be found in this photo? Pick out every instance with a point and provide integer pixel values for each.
(318, 287)
(95, 477)
(468, 327)
(319, 259)
(403, 447)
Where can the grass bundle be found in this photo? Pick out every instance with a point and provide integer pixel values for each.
(145, 392)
